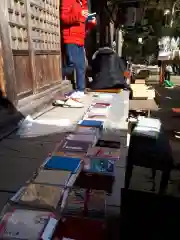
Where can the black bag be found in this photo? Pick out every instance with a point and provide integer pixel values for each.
(107, 70)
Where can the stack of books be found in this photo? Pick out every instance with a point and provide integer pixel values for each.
(97, 112)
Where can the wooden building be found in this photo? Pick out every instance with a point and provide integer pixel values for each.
(30, 52)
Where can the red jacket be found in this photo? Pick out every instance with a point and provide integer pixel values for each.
(73, 23)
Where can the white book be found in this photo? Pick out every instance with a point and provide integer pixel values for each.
(82, 137)
(24, 224)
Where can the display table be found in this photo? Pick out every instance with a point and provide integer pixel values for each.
(150, 153)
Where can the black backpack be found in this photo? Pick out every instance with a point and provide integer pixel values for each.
(107, 70)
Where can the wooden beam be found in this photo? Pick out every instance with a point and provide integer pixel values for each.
(31, 49)
(9, 70)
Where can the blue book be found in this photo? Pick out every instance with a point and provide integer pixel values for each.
(91, 123)
(63, 163)
(102, 166)
(91, 16)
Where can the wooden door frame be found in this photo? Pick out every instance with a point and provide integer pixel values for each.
(8, 62)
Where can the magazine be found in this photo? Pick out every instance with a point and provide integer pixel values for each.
(102, 166)
(53, 177)
(26, 224)
(39, 195)
(104, 152)
(74, 146)
(88, 130)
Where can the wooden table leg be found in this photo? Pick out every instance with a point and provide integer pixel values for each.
(128, 175)
(164, 181)
(161, 74)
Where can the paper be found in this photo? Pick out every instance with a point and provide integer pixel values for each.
(49, 230)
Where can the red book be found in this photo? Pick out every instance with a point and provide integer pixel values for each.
(76, 228)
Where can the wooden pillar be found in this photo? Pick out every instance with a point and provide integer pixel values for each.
(111, 26)
(161, 73)
(9, 71)
(31, 49)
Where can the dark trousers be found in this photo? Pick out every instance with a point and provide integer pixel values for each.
(167, 75)
(75, 60)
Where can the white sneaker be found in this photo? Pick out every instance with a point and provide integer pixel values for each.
(58, 102)
(73, 95)
(77, 94)
(80, 94)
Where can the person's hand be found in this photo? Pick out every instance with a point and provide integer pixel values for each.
(84, 13)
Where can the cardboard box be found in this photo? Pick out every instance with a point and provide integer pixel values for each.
(140, 81)
(142, 91)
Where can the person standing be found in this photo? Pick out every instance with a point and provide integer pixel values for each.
(73, 16)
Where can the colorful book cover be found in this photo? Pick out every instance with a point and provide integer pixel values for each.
(59, 152)
(102, 166)
(53, 177)
(91, 123)
(75, 200)
(39, 195)
(87, 130)
(24, 224)
(71, 164)
(74, 146)
(104, 152)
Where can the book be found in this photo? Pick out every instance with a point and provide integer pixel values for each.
(53, 177)
(74, 146)
(75, 200)
(82, 138)
(84, 228)
(97, 201)
(96, 117)
(100, 111)
(91, 16)
(91, 123)
(77, 197)
(108, 144)
(71, 164)
(100, 105)
(87, 130)
(101, 166)
(104, 152)
(27, 224)
(59, 152)
(39, 195)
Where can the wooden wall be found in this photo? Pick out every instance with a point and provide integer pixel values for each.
(2, 80)
(31, 49)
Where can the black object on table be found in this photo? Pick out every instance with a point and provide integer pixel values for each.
(151, 153)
